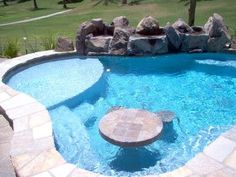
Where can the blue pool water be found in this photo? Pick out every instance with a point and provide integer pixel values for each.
(199, 88)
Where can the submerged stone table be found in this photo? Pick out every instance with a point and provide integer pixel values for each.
(130, 127)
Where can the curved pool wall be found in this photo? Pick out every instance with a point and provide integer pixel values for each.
(55, 165)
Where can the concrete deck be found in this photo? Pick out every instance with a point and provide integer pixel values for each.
(6, 168)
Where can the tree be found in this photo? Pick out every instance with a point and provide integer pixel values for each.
(5, 2)
(191, 12)
(35, 4)
(124, 2)
(64, 4)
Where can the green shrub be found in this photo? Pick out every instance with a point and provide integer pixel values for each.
(31, 44)
(11, 49)
(233, 32)
(48, 42)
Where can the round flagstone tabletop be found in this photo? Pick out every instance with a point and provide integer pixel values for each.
(130, 127)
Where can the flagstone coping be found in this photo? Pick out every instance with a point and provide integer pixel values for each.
(33, 151)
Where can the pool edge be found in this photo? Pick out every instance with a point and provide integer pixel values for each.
(33, 152)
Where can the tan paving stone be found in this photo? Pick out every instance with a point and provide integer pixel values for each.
(23, 142)
(16, 101)
(5, 134)
(226, 172)
(21, 160)
(44, 174)
(180, 172)
(3, 87)
(26, 145)
(25, 110)
(21, 124)
(63, 170)
(231, 134)
(42, 131)
(6, 166)
(43, 162)
(11, 91)
(3, 122)
(203, 165)
(220, 148)
(4, 96)
(231, 160)
(83, 173)
(39, 118)
(4, 149)
(7, 174)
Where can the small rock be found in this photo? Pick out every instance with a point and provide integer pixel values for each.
(181, 26)
(64, 44)
(121, 21)
(166, 116)
(148, 26)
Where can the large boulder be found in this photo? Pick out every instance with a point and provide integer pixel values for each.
(151, 45)
(95, 27)
(218, 44)
(191, 42)
(119, 42)
(97, 44)
(85, 29)
(215, 25)
(181, 26)
(148, 26)
(121, 21)
(64, 44)
(174, 38)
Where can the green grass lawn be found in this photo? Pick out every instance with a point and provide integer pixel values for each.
(67, 24)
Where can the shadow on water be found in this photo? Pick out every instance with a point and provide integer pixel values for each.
(147, 65)
(134, 159)
(168, 134)
(170, 64)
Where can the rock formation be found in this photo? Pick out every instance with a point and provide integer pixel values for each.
(118, 38)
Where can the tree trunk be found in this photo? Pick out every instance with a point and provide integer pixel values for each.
(124, 2)
(106, 2)
(35, 4)
(191, 12)
(5, 2)
(64, 4)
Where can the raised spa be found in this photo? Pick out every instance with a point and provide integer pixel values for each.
(200, 89)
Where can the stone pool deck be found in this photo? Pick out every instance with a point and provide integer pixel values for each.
(33, 152)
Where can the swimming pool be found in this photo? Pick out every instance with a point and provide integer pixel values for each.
(199, 88)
